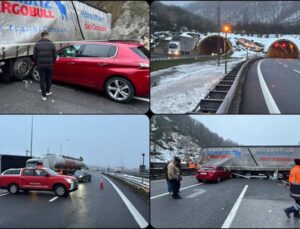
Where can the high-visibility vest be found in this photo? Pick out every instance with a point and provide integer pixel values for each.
(294, 180)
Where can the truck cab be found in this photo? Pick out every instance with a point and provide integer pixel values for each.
(39, 178)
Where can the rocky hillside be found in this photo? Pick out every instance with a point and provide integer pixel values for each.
(180, 135)
(130, 19)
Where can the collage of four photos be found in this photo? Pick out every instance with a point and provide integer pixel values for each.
(161, 114)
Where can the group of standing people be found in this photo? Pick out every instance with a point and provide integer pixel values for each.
(173, 177)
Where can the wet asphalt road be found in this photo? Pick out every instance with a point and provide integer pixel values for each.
(207, 205)
(22, 98)
(88, 207)
(282, 79)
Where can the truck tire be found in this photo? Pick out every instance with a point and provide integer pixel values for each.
(13, 188)
(22, 68)
(60, 190)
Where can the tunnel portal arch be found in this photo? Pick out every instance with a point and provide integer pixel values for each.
(283, 48)
(209, 45)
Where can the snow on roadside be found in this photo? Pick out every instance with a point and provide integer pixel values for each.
(181, 88)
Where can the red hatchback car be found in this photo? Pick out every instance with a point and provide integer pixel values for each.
(120, 69)
(213, 173)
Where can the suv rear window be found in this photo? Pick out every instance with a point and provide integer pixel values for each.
(141, 51)
(28, 172)
(12, 172)
(97, 50)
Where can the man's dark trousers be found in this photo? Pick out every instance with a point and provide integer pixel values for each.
(175, 185)
(45, 79)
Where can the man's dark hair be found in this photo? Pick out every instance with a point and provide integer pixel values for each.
(45, 33)
(297, 161)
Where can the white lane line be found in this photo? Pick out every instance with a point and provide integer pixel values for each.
(197, 193)
(166, 193)
(234, 209)
(272, 107)
(157, 181)
(296, 71)
(54, 198)
(137, 216)
(142, 99)
(4, 194)
(285, 66)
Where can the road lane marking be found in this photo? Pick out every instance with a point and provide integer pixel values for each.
(272, 107)
(4, 194)
(197, 193)
(296, 71)
(234, 209)
(142, 99)
(54, 198)
(157, 181)
(135, 213)
(285, 66)
(166, 193)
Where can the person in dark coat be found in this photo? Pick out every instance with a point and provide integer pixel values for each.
(44, 55)
(174, 176)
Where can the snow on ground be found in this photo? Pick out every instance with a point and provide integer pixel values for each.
(182, 87)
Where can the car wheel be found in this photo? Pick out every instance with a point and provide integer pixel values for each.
(13, 189)
(218, 179)
(119, 89)
(35, 74)
(60, 190)
(199, 180)
(22, 68)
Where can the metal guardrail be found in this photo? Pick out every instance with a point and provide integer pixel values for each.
(224, 107)
(219, 100)
(134, 181)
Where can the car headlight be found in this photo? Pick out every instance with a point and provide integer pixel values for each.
(80, 176)
(70, 181)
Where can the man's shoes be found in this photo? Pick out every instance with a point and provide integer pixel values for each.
(296, 215)
(44, 98)
(48, 93)
(177, 197)
(287, 213)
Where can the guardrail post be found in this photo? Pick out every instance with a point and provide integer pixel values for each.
(3, 52)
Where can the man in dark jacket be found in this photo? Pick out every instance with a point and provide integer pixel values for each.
(44, 55)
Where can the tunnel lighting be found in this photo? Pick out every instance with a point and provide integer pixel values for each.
(291, 46)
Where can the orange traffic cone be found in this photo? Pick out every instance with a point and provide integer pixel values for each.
(101, 184)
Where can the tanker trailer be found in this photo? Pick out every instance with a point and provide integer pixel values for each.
(61, 164)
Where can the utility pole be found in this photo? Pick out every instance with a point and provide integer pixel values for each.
(31, 135)
(218, 45)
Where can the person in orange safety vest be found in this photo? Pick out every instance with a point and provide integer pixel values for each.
(294, 181)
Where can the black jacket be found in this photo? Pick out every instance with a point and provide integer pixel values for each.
(44, 53)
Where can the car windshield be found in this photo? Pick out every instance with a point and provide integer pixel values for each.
(173, 46)
(207, 168)
(78, 173)
(51, 172)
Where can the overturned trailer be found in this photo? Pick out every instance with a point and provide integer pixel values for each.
(252, 161)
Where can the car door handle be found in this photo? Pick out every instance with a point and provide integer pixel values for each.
(101, 64)
(71, 63)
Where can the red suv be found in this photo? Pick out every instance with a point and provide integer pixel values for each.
(119, 69)
(213, 173)
(37, 179)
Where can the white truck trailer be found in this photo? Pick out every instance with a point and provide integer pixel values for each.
(22, 22)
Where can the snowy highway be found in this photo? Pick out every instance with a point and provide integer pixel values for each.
(272, 86)
(235, 203)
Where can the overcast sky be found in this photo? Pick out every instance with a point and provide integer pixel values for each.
(100, 140)
(255, 129)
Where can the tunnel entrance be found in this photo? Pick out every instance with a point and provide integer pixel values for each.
(209, 45)
(283, 49)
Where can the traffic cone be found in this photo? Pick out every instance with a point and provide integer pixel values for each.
(101, 184)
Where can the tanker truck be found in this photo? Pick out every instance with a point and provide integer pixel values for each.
(22, 22)
(64, 165)
(252, 161)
